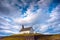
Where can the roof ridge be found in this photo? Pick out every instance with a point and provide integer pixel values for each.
(28, 28)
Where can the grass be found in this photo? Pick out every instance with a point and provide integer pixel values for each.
(31, 34)
(21, 37)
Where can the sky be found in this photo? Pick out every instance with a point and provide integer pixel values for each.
(42, 15)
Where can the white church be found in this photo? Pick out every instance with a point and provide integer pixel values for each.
(26, 30)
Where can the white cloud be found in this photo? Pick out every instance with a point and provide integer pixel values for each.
(47, 33)
(30, 18)
(7, 28)
(54, 22)
(9, 9)
(37, 17)
(54, 14)
(44, 3)
(16, 27)
(43, 28)
(8, 31)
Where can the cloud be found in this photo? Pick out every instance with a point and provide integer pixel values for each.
(43, 28)
(8, 9)
(30, 17)
(51, 25)
(53, 21)
(7, 28)
(34, 13)
(55, 14)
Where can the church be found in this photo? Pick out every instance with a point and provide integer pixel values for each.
(26, 30)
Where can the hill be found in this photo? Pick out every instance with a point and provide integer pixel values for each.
(31, 37)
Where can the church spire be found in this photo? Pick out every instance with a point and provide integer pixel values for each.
(22, 26)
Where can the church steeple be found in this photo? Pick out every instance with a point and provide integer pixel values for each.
(22, 26)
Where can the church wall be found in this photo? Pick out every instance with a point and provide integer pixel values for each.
(31, 31)
(24, 32)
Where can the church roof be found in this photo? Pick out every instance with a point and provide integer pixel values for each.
(26, 29)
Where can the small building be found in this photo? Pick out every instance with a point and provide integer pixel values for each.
(26, 30)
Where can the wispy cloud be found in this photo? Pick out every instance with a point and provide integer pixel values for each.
(53, 21)
(43, 15)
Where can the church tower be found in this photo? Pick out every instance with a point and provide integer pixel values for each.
(26, 30)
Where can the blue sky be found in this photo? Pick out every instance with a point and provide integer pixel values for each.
(42, 15)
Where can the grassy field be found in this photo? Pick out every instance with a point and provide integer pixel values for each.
(39, 37)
